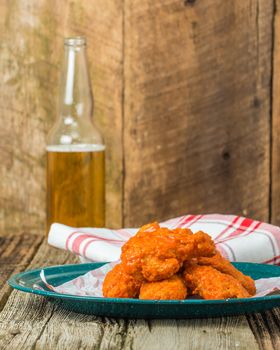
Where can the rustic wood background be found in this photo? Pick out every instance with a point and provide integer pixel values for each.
(186, 94)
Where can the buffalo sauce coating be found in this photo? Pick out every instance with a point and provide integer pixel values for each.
(163, 264)
(119, 284)
(223, 265)
(210, 283)
(158, 253)
(172, 288)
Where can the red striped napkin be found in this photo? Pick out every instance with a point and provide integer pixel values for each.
(236, 237)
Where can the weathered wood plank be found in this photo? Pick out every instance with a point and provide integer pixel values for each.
(218, 333)
(16, 252)
(197, 111)
(24, 316)
(31, 53)
(275, 128)
(43, 325)
(266, 328)
(66, 329)
(29, 321)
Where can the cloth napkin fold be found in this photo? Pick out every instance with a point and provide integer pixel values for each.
(237, 238)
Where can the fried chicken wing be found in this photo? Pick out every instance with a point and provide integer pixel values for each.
(223, 265)
(156, 269)
(172, 288)
(158, 253)
(119, 284)
(210, 283)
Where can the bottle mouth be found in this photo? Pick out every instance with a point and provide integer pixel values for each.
(75, 41)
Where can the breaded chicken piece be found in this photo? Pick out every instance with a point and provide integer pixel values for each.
(210, 283)
(172, 288)
(158, 253)
(223, 265)
(119, 284)
(157, 269)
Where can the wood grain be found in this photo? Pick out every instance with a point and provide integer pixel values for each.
(197, 108)
(220, 333)
(16, 253)
(29, 321)
(266, 328)
(275, 127)
(31, 51)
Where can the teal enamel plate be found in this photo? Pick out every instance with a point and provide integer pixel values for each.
(30, 282)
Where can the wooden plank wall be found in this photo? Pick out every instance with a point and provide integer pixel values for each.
(31, 38)
(197, 108)
(275, 174)
(183, 95)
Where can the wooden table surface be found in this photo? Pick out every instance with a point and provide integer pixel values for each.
(31, 322)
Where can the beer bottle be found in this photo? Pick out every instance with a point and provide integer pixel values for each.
(75, 148)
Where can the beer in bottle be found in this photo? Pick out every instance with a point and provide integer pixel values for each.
(75, 148)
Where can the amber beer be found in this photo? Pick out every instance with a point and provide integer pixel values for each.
(75, 182)
(75, 148)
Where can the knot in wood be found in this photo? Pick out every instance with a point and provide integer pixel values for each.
(256, 102)
(226, 155)
(189, 2)
(14, 330)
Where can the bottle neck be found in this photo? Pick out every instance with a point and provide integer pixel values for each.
(75, 95)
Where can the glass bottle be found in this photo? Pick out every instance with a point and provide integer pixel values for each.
(75, 148)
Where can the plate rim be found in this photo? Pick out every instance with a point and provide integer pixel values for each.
(51, 294)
